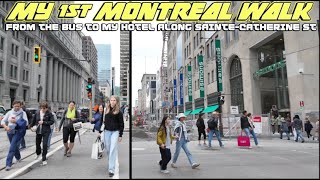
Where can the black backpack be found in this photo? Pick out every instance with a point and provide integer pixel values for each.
(212, 124)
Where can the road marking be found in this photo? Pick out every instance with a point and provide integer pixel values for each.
(138, 149)
(314, 154)
(23, 169)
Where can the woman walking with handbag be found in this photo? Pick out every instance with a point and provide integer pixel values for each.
(43, 119)
(112, 125)
(164, 140)
(69, 117)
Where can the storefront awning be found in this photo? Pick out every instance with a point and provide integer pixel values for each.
(187, 112)
(197, 111)
(211, 109)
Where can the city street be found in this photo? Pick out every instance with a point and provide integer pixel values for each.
(80, 165)
(274, 159)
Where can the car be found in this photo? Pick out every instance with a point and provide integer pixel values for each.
(59, 114)
(2, 112)
(30, 113)
(84, 115)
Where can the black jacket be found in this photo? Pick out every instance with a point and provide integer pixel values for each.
(67, 123)
(113, 122)
(244, 122)
(308, 126)
(202, 126)
(47, 122)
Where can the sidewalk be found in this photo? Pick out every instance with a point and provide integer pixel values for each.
(80, 165)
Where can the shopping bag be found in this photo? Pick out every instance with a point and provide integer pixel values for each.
(95, 150)
(243, 141)
(294, 133)
(77, 126)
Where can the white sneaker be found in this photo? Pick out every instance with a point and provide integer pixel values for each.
(37, 157)
(194, 165)
(165, 171)
(44, 163)
(173, 165)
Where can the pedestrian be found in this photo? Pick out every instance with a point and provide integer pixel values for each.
(308, 127)
(164, 140)
(279, 123)
(247, 127)
(288, 119)
(317, 129)
(201, 129)
(284, 128)
(273, 123)
(180, 133)
(23, 142)
(70, 116)
(54, 125)
(297, 124)
(213, 129)
(9, 123)
(113, 131)
(96, 120)
(43, 120)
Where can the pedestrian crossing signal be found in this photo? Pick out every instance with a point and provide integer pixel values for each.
(37, 54)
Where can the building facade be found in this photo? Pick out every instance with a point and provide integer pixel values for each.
(104, 62)
(148, 94)
(260, 69)
(124, 66)
(105, 88)
(56, 79)
(89, 52)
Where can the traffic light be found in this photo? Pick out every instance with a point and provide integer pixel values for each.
(37, 54)
(89, 88)
(221, 100)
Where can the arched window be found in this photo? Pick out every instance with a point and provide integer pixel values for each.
(236, 86)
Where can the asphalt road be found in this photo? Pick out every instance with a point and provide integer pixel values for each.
(80, 165)
(274, 159)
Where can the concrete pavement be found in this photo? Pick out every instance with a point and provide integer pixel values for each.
(275, 159)
(80, 165)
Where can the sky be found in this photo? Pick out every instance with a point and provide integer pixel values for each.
(103, 37)
(146, 49)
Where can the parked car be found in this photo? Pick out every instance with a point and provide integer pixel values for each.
(30, 113)
(2, 112)
(59, 114)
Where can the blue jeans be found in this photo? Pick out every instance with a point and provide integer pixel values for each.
(217, 133)
(23, 143)
(248, 132)
(49, 139)
(299, 135)
(14, 151)
(111, 144)
(182, 144)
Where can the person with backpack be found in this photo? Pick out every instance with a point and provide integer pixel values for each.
(70, 116)
(284, 128)
(297, 124)
(181, 135)
(308, 127)
(213, 129)
(247, 127)
(164, 140)
(201, 129)
(42, 120)
(15, 123)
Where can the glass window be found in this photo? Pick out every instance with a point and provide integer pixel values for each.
(1, 68)
(39, 79)
(12, 49)
(227, 37)
(15, 72)
(11, 71)
(236, 84)
(208, 51)
(17, 50)
(27, 76)
(212, 74)
(209, 78)
(1, 43)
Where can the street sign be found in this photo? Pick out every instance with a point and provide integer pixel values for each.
(201, 75)
(234, 109)
(257, 122)
(219, 65)
(301, 104)
(189, 83)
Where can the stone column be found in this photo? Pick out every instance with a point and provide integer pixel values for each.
(67, 85)
(60, 83)
(50, 78)
(55, 80)
(64, 83)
